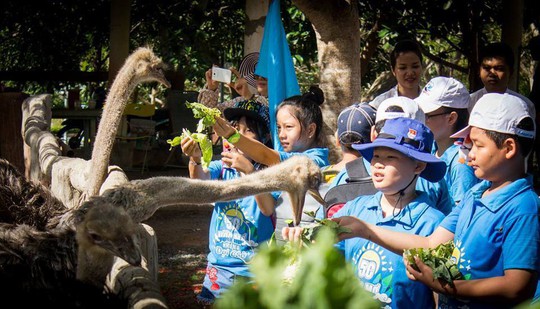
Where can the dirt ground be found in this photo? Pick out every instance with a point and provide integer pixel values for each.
(182, 235)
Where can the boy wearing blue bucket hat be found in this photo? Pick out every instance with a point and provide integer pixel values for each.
(399, 155)
(495, 228)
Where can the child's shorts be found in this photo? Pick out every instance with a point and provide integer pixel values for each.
(216, 281)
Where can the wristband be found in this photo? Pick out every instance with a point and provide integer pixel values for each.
(234, 138)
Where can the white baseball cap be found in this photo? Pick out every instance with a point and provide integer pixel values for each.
(443, 91)
(499, 112)
(410, 109)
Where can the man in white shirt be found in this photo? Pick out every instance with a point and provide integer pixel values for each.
(496, 67)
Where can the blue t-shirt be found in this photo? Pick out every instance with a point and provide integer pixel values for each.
(381, 271)
(237, 228)
(459, 176)
(437, 192)
(319, 155)
(495, 233)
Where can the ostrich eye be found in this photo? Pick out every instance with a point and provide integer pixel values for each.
(95, 237)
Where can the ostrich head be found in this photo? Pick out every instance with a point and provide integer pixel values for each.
(309, 177)
(148, 67)
(105, 229)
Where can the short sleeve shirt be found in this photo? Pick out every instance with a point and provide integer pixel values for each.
(459, 176)
(381, 271)
(494, 233)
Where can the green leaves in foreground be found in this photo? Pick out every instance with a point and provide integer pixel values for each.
(438, 259)
(322, 279)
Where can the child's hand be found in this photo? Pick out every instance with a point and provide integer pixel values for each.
(293, 234)
(223, 128)
(425, 275)
(190, 147)
(236, 160)
(355, 225)
(407, 265)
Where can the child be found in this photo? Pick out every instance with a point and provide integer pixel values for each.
(444, 100)
(399, 154)
(406, 65)
(299, 124)
(437, 192)
(353, 127)
(495, 227)
(237, 227)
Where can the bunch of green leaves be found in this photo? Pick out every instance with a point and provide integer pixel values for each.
(310, 231)
(207, 115)
(323, 279)
(438, 259)
(204, 143)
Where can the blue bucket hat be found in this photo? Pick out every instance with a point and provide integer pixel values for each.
(411, 138)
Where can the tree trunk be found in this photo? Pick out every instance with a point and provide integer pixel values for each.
(337, 27)
(512, 31)
(256, 11)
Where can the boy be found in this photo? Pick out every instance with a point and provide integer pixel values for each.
(399, 155)
(353, 127)
(444, 100)
(495, 227)
(437, 192)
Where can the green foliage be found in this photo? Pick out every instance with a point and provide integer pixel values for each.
(438, 259)
(321, 279)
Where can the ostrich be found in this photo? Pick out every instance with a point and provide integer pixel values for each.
(297, 176)
(38, 256)
(141, 66)
(51, 253)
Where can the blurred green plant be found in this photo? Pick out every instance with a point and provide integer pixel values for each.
(319, 277)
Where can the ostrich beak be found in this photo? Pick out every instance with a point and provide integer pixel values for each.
(298, 200)
(127, 249)
(317, 196)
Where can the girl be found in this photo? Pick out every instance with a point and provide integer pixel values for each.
(299, 123)
(237, 227)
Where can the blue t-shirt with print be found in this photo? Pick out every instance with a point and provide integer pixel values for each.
(237, 228)
(437, 192)
(381, 271)
(494, 233)
(459, 176)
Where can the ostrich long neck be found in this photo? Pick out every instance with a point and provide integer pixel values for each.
(142, 198)
(121, 89)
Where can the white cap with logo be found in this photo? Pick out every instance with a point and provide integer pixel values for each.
(500, 113)
(409, 107)
(443, 91)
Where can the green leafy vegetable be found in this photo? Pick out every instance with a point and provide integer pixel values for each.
(321, 278)
(438, 259)
(204, 143)
(207, 117)
(310, 230)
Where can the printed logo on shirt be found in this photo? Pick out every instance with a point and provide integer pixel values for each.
(459, 256)
(375, 272)
(234, 234)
